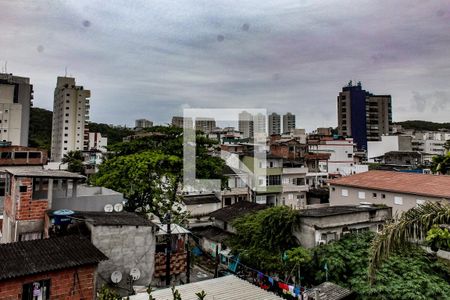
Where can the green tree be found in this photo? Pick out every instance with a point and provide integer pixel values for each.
(149, 170)
(411, 225)
(409, 274)
(106, 293)
(438, 237)
(441, 164)
(262, 238)
(74, 161)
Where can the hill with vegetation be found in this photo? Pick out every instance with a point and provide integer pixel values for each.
(423, 125)
(41, 129)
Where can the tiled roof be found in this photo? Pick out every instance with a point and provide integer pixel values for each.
(236, 210)
(228, 287)
(399, 182)
(200, 199)
(32, 257)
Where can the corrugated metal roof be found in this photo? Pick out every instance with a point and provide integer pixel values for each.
(223, 288)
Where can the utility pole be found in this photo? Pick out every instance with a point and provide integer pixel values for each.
(188, 263)
(167, 218)
(216, 270)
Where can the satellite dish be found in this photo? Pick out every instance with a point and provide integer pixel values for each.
(135, 274)
(108, 208)
(118, 207)
(116, 276)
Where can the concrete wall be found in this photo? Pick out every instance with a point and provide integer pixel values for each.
(126, 247)
(407, 202)
(202, 209)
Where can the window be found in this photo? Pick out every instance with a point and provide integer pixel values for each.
(67, 107)
(22, 189)
(349, 155)
(20, 155)
(420, 202)
(333, 188)
(2, 186)
(66, 128)
(66, 134)
(398, 200)
(66, 121)
(36, 290)
(344, 193)
(228, 201)
(34, 154)
(374, 195)
(361, 195)
(273, 180)
(67, 115)
(40, 188)
(383, 196)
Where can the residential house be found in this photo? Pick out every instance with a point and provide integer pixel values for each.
(294, 185)
(237, 186)
(288, 148)
(388, 143)
(57, 268)
(30, 191)
(199, 206)
(211, 239)
(225, 216)
(399, 190)
(129, 240)
(326, 224)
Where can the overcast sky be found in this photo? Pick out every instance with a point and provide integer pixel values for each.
(149, 59)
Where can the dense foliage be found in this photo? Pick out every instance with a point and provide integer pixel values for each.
(149, 170)
(409, 274)
(41, 129)
(441, 164)
(423, 125)
(40, 133)
(74, 161)
(262, 238)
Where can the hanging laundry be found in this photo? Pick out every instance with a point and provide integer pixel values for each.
(271, 280)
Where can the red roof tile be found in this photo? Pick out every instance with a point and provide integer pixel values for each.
(400, 182)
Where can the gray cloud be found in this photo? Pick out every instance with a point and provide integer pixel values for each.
(150, 58)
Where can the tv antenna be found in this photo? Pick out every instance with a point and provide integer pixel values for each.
(65, 71)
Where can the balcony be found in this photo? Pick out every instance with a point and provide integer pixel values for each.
(301, 170)
(295, 188)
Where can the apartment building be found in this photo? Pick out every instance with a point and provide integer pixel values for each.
(182, 122)
(246, 124)
(16, 95)
(288, 122)
(274, 123)
(70, 118)
(362, 115)
(401, 191)
(431, 142)
(205, 125)
(388, 143)
(142, 123)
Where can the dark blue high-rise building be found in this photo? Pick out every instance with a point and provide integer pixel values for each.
(362, 115)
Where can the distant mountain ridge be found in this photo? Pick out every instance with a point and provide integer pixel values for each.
(423, 125)
(41, 129)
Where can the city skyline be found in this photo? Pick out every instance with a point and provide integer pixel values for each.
(196, 54)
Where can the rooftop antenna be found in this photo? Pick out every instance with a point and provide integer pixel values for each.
(65, 71)
(6, 66)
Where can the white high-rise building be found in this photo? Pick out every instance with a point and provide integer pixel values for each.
(274, 124)
(142, 123)
(16, 94)
(70, 118)
(246, 124)
(288, 122)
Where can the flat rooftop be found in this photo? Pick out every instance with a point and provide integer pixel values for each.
(337, 210)
(437, 186)
(35, 172)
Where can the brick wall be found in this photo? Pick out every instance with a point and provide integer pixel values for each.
(177, 263)
(28, 209)
(62, 284)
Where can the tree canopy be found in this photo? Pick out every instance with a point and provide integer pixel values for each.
(149, 170)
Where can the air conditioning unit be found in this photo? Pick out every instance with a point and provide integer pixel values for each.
(322, 242)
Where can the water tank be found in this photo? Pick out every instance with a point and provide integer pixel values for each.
(62, 216)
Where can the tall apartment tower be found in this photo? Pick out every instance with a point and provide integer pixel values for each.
(288, 122)
(362, 115)
(246, 124)
(142, 123)
(182, 122)
(16, 95)
(70, 118)
(205, 125)
(274, 123)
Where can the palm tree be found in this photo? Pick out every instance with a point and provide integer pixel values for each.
(74, 161)
(412, 225)
(441, 164)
